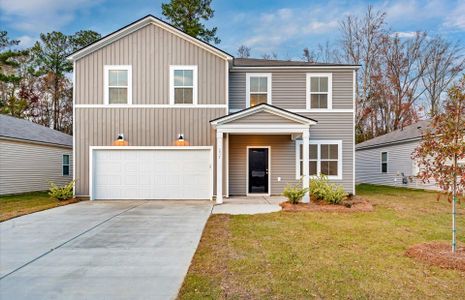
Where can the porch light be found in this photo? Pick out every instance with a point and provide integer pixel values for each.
(181, 141)
(120, 141)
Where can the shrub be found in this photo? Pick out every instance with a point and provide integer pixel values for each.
(61, 192)
(322, 190)
(294, 193)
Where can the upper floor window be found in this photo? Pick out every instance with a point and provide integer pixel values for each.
(258, 88)
(319, 90)
(183, 84)
(325, 157)
(384, 162)
(117, 82)
(65, 165)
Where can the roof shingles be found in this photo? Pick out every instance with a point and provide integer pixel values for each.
(11, 127)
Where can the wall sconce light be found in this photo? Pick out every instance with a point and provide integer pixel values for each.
(120, 141)
(181, 141)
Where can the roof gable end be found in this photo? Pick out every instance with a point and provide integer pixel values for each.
(147, 20)
(263, 110)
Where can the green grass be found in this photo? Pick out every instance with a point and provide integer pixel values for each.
(12, 206)
(328, 255)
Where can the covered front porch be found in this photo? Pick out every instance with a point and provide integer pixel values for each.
(255, 152)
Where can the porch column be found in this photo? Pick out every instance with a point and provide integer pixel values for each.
(219, 167)
(305, 155)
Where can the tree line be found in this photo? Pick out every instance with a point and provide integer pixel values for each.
(35, 83)
(401, 79)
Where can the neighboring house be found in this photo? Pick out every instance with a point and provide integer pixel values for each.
(32, 156)
(386, 159)
(247, 121)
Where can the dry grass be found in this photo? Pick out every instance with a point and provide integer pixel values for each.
(325, 255)
(13, 206)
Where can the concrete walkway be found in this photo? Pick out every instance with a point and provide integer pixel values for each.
(249, 205)
(101, 250)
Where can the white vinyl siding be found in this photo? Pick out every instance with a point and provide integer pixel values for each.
(183, 85)
(258, 88)
(118, 84)
(28, 167)
(368, 166)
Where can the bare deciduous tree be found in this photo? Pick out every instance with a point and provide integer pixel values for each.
(361, 43)
(243, 51)
(270, 56)
(446, 61)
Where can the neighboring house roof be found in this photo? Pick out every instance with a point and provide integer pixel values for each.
(11, 127)
(149, 19)
(266, 108)
(409, 133)
(256, 62)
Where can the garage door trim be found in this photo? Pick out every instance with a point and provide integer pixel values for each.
(178, 148)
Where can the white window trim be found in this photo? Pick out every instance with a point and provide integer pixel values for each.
(381, 162)
(318, 164)
(63, 164)
(106, 87)
(309, 91)
(194, 83)
(247, 87)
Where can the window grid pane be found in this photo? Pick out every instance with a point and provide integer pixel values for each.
(256, 99)
(118, 95)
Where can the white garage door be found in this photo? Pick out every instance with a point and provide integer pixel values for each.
(161, 173)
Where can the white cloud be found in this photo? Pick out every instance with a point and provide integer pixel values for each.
(27, 41)
(41, 15)
(456, 19)
(273, 29)
(405, 34)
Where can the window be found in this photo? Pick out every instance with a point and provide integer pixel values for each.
(319, 91)
(325, 157)
(118, 82)
(65, 165)
(258, 88)
(384, 162)
(183, 84)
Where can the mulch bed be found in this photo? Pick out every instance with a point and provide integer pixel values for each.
(439, 254)
(354, 205)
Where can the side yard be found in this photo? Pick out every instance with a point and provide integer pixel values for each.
(328, 255)
(12, 206)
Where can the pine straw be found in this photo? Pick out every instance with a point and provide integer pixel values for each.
(354, 205)
(439, 254)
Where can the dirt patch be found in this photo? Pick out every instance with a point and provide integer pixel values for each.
(439, 254)
(353, 205)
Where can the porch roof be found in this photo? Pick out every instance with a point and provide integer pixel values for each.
(247, 116)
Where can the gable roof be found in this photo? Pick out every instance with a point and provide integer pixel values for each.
(11, 127)
(257, 62)
(263, 107)
(409, 133)
(148, 19)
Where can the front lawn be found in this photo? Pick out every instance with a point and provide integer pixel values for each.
(12, 206)
(305, 255)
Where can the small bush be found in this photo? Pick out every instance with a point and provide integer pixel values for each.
(61, 192)
(322, 190)
(294, 193)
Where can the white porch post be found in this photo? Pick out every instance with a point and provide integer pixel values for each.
(219, 167)
(305, 155)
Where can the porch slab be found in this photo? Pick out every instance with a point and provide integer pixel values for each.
(249, 205)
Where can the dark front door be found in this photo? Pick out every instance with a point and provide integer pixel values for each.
(258, 170)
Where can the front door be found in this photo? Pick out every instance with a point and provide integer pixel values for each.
(258, 171)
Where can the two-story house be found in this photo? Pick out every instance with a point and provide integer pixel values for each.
(200, 123)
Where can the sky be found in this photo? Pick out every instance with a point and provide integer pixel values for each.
(282, 27)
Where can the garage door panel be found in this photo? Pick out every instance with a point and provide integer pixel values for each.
(152, 174)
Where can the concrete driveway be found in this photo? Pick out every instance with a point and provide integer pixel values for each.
(101, 250)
